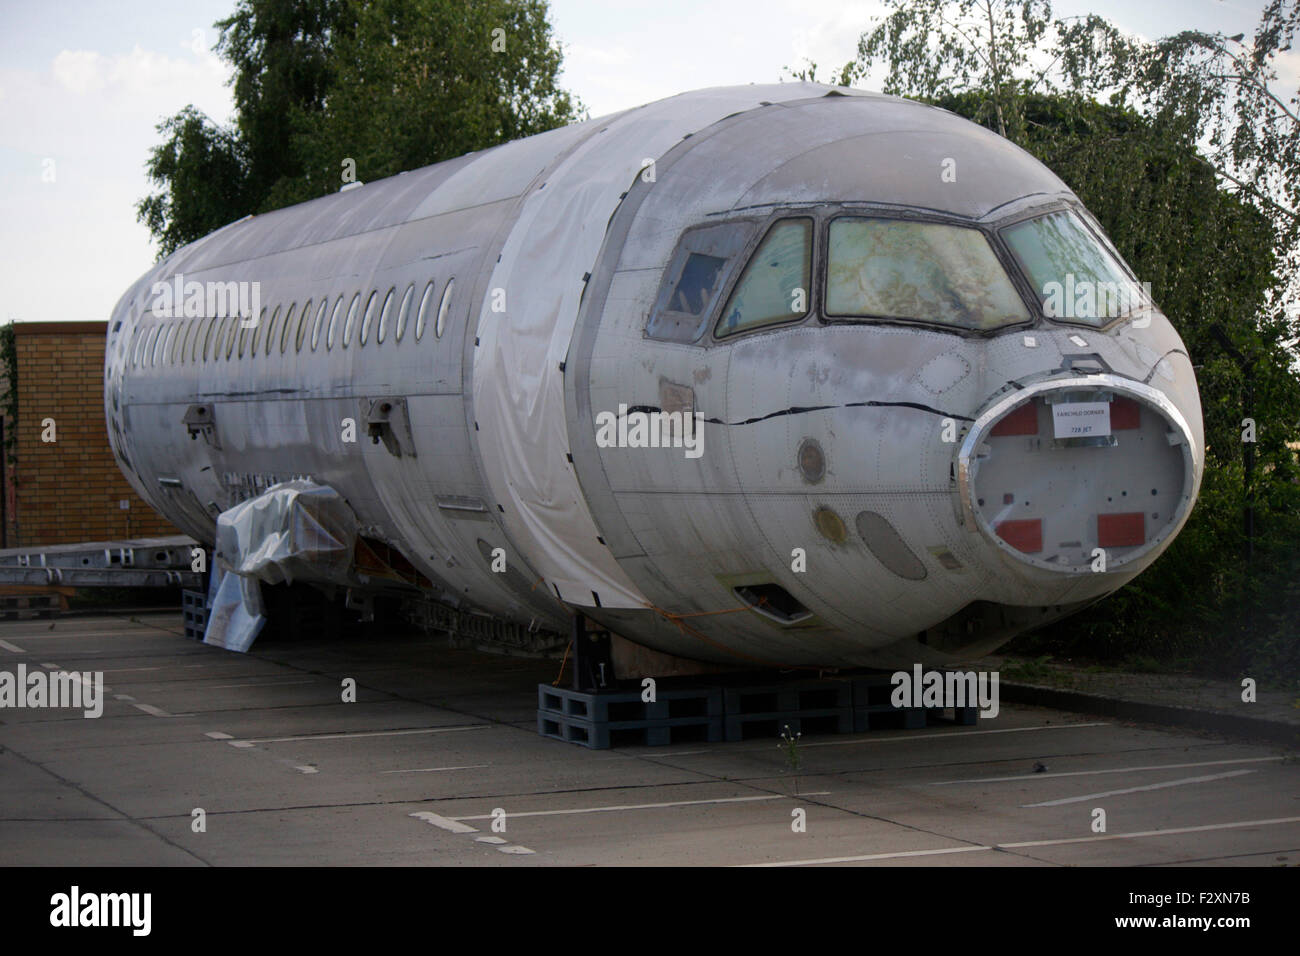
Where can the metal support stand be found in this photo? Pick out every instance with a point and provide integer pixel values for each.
(593, 661)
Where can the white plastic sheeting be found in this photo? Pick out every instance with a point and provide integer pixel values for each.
(518, 385)
(296, 529)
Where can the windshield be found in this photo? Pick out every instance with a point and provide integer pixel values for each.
(1075, 276)
(921, 271)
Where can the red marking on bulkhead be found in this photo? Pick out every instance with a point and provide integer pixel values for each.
(1022, 421)
(1023, 534)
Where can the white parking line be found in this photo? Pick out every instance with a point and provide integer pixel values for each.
(472, 766)
(152, 711)
(1150, 786)
(444, 823)
(646, 806)
(1175, 831)
(12, 648)
(366, 733)
(909, 738)
(1090, 773)
(900, 854)
(217, 735)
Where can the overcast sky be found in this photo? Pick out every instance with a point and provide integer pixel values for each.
(84, 83)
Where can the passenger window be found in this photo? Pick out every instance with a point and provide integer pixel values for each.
(423, 314)
(352, 319)
(319, 322)
(919, 271)
(270, 332)
(443, 307)
(302, 325)
(369, 317)
(403, 311)
(284, 333)
(704, 261)
(383, 317)
(232, 333)
(214, 328)
(774, 286)
(334, 324)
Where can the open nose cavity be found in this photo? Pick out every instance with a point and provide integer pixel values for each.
(1064, 471)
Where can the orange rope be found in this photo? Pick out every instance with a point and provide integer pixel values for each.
(563, 661)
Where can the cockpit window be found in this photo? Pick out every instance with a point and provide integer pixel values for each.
(920, 271)
(695, 287)
(774, 285)
(701, 265)
(1074, 275)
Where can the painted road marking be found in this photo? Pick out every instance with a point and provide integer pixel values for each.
(1150, 786)
(152, 711)
(472, 766)
(365, 733)
(489, 839)
(444, 823)
(1089, 773)
(513, 849)
(647, 806)
(1175, 831)
(303, 769)
(903, 738)
(217, 735)
(12, 648)
(257, 683)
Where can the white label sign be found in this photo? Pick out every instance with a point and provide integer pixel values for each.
(1080, 419)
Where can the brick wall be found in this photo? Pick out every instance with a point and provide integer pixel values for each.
(68, 490)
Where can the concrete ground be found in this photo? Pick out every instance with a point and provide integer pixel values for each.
(440, 740)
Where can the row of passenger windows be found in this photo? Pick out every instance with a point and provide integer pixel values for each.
(377, 319)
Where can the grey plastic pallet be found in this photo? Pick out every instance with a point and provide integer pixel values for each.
(621, 718)
(601, 735)
(194, 606)
(813, 706)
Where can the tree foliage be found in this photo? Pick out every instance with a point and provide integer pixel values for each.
(388, 85)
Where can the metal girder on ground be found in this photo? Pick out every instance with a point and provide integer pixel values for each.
(134, 562)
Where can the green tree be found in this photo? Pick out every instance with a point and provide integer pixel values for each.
(390, 84)
(200, 168)
(419, 81)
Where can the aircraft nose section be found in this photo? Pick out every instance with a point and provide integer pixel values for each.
(1080, 474)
